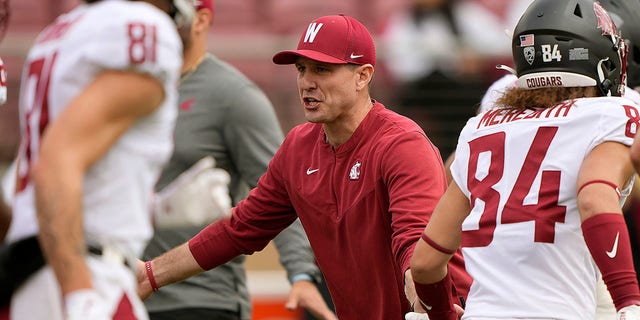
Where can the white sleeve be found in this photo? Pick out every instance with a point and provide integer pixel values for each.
(460, 165)
(618, 121)
(144, 40)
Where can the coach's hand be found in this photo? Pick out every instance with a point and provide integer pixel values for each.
(411, 295)
(305, 294)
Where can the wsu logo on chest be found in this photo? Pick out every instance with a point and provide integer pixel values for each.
(354, 174)
(312, 32)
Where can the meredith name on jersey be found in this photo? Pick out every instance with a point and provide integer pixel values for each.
(503, 115)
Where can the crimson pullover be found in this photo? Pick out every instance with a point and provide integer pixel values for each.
(363, 205)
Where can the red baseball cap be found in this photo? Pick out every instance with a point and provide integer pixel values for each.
(203, 4)
(333, 39)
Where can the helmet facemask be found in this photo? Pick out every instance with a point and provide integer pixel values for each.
(626, 15)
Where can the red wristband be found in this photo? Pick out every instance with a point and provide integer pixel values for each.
(436, 246)
(152, 279)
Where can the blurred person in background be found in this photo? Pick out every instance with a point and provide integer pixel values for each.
(449, 38)
(441, 54)
(567, 100)
(362, 179)
(225, 115)
(422, 41)
(97, 109)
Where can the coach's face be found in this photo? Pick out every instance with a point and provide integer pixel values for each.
(329, 92)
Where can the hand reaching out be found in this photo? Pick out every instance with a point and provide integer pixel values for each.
(305, 294)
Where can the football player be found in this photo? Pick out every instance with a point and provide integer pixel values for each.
(97, 110)
(537, 176)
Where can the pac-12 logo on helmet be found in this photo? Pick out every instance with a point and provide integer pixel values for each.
(529, 54)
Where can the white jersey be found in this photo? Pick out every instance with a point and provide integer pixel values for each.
(508, 81)
(632, 95)
(522, 241)
(67, 56)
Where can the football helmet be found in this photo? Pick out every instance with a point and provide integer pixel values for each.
(626, 15)
(572, 43)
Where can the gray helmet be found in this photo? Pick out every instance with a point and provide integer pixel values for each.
(626, 15)
(569, 43)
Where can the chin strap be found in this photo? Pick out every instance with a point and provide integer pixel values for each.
(506, 68)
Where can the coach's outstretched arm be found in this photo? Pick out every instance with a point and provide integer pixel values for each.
(173, 266)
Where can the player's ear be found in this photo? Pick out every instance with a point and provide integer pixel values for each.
(202, 20)
(364, 75)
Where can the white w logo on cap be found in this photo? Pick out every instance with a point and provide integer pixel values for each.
(312, 31)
